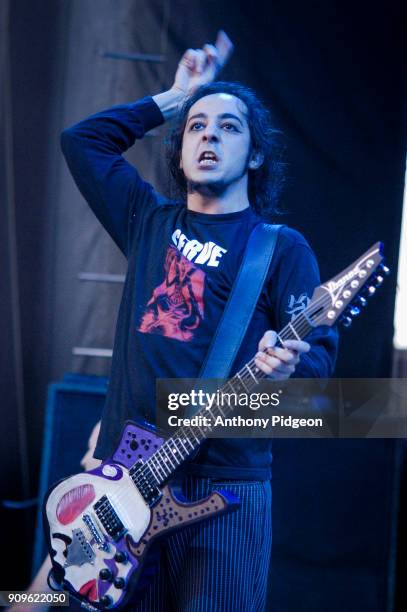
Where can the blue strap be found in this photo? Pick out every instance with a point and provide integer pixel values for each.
(242, 301)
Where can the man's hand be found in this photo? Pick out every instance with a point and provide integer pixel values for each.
(197, 67)
(279, 363)
(200, 66)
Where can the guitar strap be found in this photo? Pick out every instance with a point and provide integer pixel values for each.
(242, 301)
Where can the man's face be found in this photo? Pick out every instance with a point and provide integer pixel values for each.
(216, 142)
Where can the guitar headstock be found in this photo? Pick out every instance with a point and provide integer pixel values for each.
(343, 296)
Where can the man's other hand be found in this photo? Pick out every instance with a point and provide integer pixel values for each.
(279, 363)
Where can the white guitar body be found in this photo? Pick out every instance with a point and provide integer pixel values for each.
(70, 501)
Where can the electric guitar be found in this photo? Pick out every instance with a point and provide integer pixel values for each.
(102, 525)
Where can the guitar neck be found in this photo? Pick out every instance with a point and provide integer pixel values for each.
(187, 439)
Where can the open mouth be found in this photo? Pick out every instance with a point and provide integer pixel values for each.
(208, 158)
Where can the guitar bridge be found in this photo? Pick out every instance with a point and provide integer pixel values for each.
(79, 551)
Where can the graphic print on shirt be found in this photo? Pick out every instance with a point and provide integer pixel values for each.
(176, 307)
(208, 254)
(295, 306)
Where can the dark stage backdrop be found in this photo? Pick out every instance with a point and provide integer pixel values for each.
(332, 74)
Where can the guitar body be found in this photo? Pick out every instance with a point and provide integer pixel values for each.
(101, 529)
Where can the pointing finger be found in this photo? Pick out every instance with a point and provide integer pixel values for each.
(224, 47)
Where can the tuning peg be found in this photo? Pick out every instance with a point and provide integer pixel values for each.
(368, 291)
(354, 311)
(362, 301)
(378, 280)
(345, 321)
(384, 269)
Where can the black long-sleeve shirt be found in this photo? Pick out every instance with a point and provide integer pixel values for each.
(181, 267)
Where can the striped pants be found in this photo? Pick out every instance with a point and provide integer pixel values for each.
(219, 565)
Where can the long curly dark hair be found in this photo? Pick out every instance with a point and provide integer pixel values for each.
(266, 182)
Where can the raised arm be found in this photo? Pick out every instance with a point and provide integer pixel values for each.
(93, 148)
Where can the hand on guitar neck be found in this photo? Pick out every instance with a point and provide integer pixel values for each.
(279, 363)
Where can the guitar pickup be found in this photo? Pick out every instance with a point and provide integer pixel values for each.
(108, 517)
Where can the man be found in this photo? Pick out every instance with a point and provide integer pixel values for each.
(182, 261)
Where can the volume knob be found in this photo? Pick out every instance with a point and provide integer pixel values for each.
(106, 601)
(105, 574)
(121, 557)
